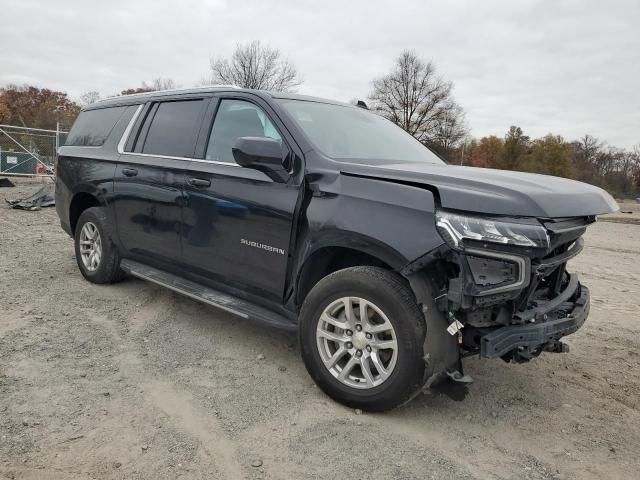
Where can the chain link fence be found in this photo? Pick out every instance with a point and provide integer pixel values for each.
(29, 152)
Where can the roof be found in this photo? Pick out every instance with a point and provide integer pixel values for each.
(136, 98)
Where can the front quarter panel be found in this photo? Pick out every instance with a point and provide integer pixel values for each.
(391, 221)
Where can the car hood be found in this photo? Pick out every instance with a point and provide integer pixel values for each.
(499, 192)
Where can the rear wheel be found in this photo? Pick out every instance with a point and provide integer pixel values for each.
(96, 255)
(361, 337)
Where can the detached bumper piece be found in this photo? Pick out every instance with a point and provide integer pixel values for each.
(548, 324)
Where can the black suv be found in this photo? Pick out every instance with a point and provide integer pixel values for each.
(323, 217)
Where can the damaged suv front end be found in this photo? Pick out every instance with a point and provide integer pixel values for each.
(493, 280)
(504, 285)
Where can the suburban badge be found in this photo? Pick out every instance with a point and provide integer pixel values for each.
(263, 246)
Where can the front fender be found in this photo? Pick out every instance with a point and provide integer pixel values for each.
(392, 221)
(353, 241)
(395, 223)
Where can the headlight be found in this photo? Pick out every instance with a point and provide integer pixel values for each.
(456, 229)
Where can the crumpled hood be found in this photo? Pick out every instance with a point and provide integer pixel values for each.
(499, 192)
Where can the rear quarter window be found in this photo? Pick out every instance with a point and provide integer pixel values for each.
(92, 127)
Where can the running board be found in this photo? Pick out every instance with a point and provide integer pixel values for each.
(215, 298)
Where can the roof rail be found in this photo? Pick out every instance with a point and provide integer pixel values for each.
(221, 85)
(154, 92)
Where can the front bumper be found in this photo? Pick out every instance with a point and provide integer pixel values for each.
(545, 328)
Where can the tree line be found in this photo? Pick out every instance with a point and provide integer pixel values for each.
(411, 94)
(588, 159)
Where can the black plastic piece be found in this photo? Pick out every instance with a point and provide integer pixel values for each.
(547, 265)
(546, 307)
(489, 272)
(535, 336)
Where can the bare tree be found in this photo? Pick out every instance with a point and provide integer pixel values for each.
(257, 67)
(451, 131)
(89, 98)
(636, 173)
(590, 147)
(414, 97)
(156, 84)
(160, 83)
(586, 152)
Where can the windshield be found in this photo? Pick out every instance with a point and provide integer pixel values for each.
(352, 133)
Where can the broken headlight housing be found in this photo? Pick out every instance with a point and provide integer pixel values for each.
(457, 230)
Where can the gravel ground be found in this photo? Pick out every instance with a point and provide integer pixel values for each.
(133, 381)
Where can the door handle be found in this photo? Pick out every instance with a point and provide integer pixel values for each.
(129, 172)
(199, 182)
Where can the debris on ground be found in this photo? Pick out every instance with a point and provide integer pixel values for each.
(45, 197)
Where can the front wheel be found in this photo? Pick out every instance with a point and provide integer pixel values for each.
(361, 336)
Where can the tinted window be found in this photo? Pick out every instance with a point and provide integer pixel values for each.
(235, 119)
(92, 127)
(352, 133)
(174, 128)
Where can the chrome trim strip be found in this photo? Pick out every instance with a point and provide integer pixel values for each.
(127, 131)
(133, 272)
(523, 276)
(215, 162)
(125, 138)
(187, 159)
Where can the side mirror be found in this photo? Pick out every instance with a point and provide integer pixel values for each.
(263, 154)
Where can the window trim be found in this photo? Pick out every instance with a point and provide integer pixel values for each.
(132, 129)
(129, 130)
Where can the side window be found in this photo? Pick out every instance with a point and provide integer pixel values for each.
(235, 119)
(174, 127)
(92, 127)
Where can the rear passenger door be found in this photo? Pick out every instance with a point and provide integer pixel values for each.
(150, 175)
(237, 221)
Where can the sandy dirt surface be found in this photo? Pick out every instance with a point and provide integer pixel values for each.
(629, 213)
(133, 381)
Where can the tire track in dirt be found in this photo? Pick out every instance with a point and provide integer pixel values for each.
(205, 428)
(158, 302)
(177, 405)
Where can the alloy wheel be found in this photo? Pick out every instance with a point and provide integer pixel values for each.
(90, 246)
(357, 342)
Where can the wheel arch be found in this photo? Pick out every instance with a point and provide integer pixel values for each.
(326, 257)
(80, 201)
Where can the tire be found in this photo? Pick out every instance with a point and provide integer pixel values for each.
(388, 300)
(107, 267)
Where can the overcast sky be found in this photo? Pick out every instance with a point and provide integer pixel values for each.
(566, 67)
